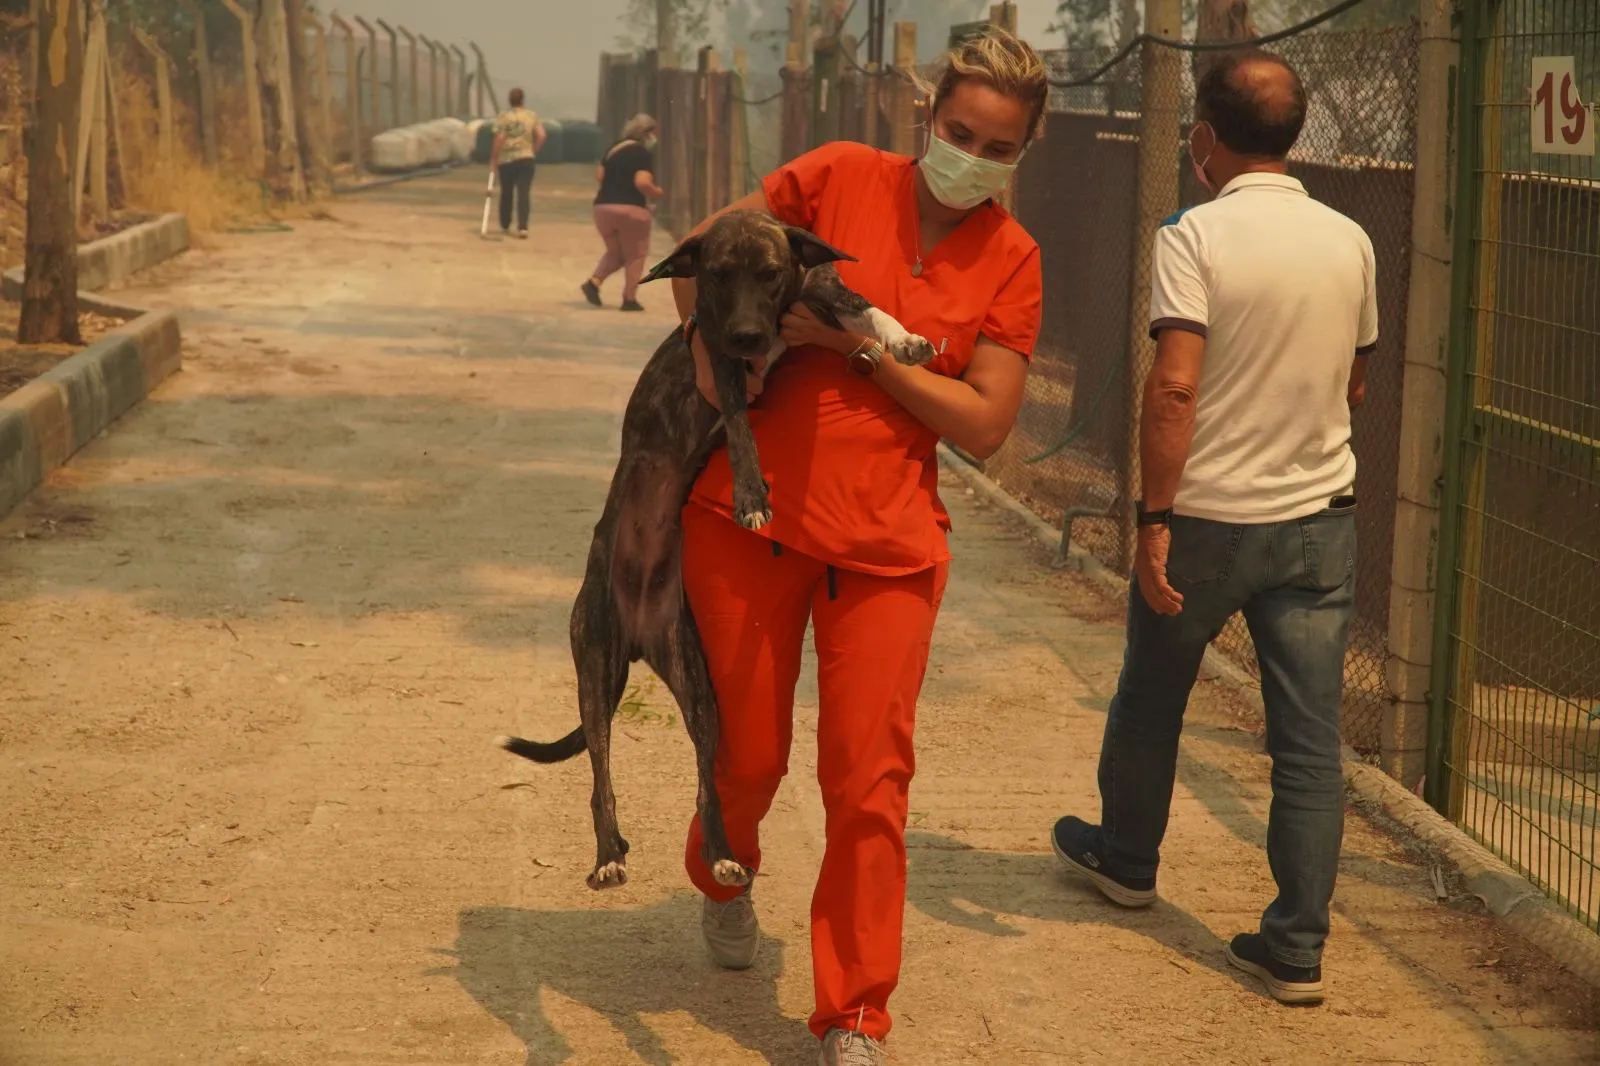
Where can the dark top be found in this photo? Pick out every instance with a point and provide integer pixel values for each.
(616, 185)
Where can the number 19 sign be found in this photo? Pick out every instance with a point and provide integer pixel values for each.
(1562, 123)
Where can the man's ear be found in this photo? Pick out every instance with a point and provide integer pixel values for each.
(684, 262)
(809, 250)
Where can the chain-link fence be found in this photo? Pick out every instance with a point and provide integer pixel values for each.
(1516, 758)
(1072, 454)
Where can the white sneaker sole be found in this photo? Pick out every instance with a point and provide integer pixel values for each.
(1294, 993)
(1133, 899)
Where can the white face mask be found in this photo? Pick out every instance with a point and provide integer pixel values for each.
(959, 180)
(1200, 164)
(650, 141)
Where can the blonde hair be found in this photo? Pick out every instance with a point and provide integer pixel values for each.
(1000, 61)
(637, 126)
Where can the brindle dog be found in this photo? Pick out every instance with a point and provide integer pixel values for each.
(632, 604)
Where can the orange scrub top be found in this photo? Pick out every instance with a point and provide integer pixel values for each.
(854, 476)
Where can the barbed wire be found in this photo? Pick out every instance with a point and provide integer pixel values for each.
(1144, 38)
(737, 98)
(1204, 46)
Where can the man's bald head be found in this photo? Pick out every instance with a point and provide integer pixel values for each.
(1254, 101)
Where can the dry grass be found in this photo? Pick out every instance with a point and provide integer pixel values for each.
(213, 199)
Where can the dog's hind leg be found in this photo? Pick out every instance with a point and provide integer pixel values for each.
(683, 667)
(602, 672)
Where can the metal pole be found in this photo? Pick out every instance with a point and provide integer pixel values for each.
(1160, 114)
(461, 83)
(352, 91)
(394, 72)
(374, 81)
(433, 76)
(415, 114)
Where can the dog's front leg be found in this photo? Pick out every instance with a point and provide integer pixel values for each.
(750, 506)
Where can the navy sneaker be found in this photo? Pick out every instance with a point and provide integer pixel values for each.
(1286, 984)
(1075, 841)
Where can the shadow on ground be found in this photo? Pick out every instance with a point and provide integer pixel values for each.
(626, 965)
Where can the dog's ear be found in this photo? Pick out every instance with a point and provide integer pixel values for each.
(684, 262)
(809, 250)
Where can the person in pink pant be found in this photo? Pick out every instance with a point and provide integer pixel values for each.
(626, 176)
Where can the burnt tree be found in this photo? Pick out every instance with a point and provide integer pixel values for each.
(50, 291)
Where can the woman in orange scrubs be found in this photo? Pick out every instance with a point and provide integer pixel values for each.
(856, 544)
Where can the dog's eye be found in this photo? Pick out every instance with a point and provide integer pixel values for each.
(721, 273)
(767, 275)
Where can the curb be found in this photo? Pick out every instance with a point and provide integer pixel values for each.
(112, 259)
(46, 421)
(395, 179)
(1507, 895)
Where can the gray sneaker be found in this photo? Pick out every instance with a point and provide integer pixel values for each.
(730, 930)
(844, 1047)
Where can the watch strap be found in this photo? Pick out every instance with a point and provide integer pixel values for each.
(1143, 517)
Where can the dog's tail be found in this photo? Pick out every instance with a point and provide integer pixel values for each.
(574, 743)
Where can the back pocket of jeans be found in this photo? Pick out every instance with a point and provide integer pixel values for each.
(1202, 552)
(1329, 538)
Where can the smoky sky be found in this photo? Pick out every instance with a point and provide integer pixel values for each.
(551, 48)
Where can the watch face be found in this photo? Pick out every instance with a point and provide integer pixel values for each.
(863, 364)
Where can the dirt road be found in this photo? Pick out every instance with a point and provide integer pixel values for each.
(258, 640)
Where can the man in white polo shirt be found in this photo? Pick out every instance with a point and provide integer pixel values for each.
(1264, 310)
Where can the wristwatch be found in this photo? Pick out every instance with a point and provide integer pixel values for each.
(865, 359)
(1151, 518)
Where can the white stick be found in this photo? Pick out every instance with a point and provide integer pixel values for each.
(488, 197)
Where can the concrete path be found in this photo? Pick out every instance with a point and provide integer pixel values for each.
(259, 639)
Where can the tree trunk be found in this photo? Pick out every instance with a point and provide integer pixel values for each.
(1220, 20)
(300, 79)
(50, 293)
(284, 172)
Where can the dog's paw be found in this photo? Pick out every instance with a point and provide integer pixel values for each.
(728, 872)
(912, 350)
(755, 519)
(611, 875)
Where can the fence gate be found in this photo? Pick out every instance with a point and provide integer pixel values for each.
(1514, 753)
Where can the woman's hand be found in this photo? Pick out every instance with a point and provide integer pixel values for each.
(754, 377)
(800, 325)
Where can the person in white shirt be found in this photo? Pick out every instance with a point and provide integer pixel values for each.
(1264, 311)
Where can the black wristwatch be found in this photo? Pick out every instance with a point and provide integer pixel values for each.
(1151, 518)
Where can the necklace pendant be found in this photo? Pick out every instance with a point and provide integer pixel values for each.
(916, 268)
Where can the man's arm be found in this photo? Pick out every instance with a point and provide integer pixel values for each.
(494, 153)
(539, 136)
(1166, 423)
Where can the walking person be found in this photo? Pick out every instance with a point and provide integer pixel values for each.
(626, 176)
(856, 545)
(518, 136)
(1264, 311)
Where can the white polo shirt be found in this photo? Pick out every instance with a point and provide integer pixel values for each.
(1284, 290)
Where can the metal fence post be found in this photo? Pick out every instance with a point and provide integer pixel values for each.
(1159, 115)
(352, 91)
(252, 88)
(1404, 731)
(208, 85)
(394, 72)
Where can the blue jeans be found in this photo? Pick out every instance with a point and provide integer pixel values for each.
(1295, 583)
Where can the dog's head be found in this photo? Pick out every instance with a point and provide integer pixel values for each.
(749, 267)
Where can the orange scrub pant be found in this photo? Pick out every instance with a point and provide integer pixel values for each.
(751, 599)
